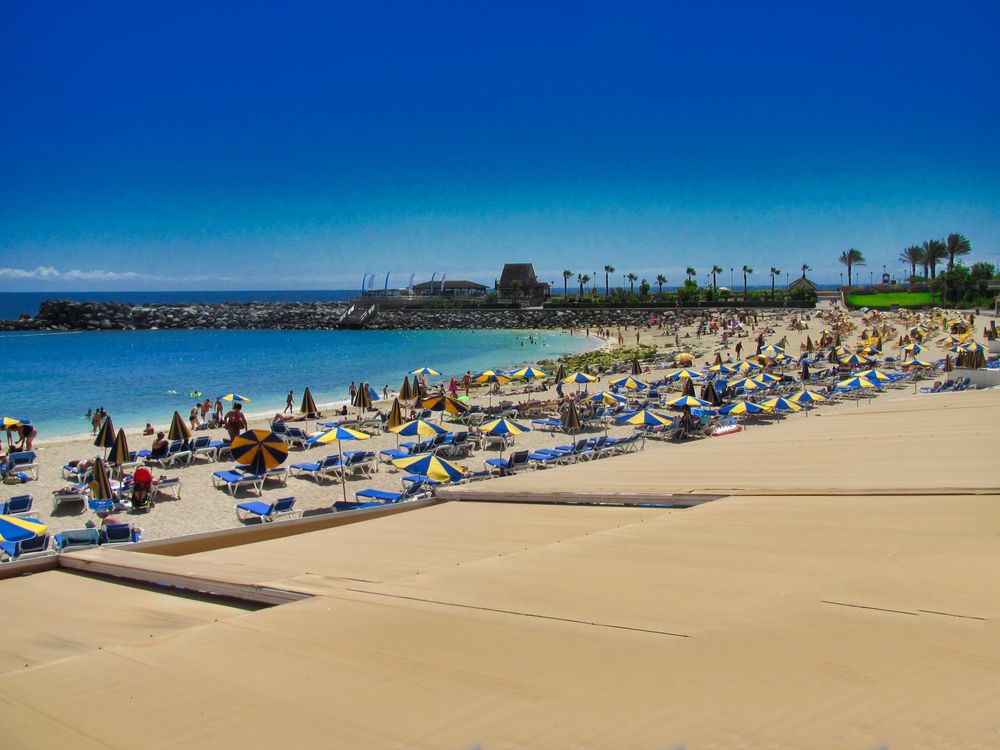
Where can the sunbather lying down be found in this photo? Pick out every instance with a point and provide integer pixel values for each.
(296, 417)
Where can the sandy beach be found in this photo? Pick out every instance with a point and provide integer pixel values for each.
(204, 508)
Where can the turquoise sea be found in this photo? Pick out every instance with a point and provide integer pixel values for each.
(143, 376)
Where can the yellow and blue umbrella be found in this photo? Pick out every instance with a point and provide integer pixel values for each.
(741, 408)
(609, 398)
(685, 373)
(503, 427)
(431, 466)
(119, 451)
(747, 384)
(628, 383)
(723, 368)
(571, 419)
(259, 450)
(856, 382)
(807, 397)
(179, 429)
(395, 417)
(338, 434)
(765, 378)
(646, 418)
(362, 398)
(780, 404)
(424, 371)
(876, 376)
(918, 363)
(419, 428)
(235, 397)
(579, 377)
(561, 372)
(308, 403)
(406, 392)
(444, 404)
(771, 350)
(855, 359)
(100, 486)
(913, 348)
(529, 373)
(9, 422)
(950, 339)
(106, 435)
(18, 528)
(969, 346)
(491, 376)
(748, 365)
(683, 401)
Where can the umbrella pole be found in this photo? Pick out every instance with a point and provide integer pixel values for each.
(343, 474)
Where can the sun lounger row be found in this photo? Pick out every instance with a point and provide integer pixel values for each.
(238, 477)
(338, 466)
(46, 544)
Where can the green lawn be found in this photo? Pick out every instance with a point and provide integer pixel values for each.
(904, 299)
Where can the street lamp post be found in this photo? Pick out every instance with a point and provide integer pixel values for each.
(730, 279)
(841, 279)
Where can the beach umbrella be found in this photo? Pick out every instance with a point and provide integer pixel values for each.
(807, 397)
(748, 366)
(874, 375)
(362, 399)
(100, 485)
(19, 528)
(106, 435)
(561, 373)
(418, 428)
(855, 359)
(948, 366)
(949, 339)
(235, 397)
(741, 408)
(708, 393)
(771, 350)
(444, 404)
(431, 466)
(338, 434)
(179, 429)
(780, 404)
(629, 383)
(259, 450)
(636, 369)
(856, 382)
(683, 374)
(688, 389)
(685, 358)
(747, 384)
(406, 392)
(689, 401)
(918, 363)
(647, 419)
(809, 344)
(502, 427)
(119, 451)
(424, 371)
(395, 418)
(765, 378)
(609, 398)
(805, 372)
(724, 369)
(718, 360)
(579, 377)
(529, 373)
(571, 419)
(970, 346)
(308, 403)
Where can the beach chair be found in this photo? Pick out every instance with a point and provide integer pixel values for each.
(317, 470)
(458, 446)
(76, 539)
(119, 533)
(19, 505)
(234, 480)
(77, 493)
(410, 479)
(414, 491)
(202, 447)
(544, 458)
(358, 462)
(391, 454)
(296, 437)
(475, 476)
(35, 547)
(283, 507)
(279, 428)
(277, 474)
(24, 461)
(168, 486)
(175, 455)
(550, 425)
(344, 505)
(511, 465)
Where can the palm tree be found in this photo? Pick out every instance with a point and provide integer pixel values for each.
(774, 272)
(935, 251)
(746, 270)
(851, 258)
(956, 244)
(689, 272)
(715, 270)
(660, 281)
(583, 282)
(912, 256)
(632, 278)
(607, 270)
(567, 275)
(805, 267)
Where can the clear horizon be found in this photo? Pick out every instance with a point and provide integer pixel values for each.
(243, 147)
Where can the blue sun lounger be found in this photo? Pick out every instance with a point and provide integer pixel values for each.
(34, 547)
(283, 507)
(233, 480)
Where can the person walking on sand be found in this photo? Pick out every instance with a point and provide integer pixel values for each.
(467, 381)
(353, 391)
(235, 421)
(288, 402)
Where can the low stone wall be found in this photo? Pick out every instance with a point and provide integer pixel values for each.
(62, 315)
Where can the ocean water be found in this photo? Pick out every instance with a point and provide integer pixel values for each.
(143, 376)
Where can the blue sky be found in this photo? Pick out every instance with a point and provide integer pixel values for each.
(300, 145)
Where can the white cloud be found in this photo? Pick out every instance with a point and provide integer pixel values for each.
(47, 272)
